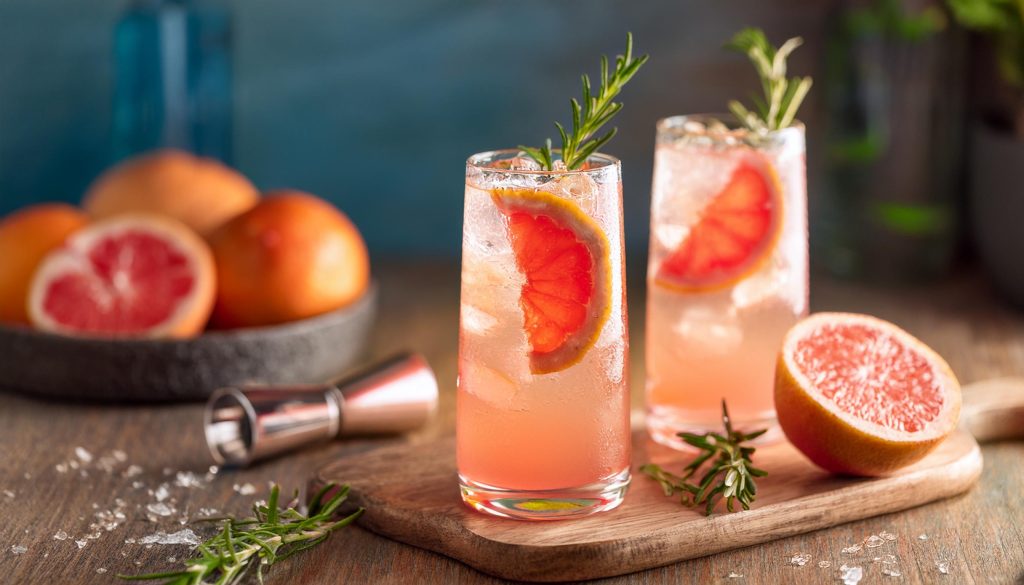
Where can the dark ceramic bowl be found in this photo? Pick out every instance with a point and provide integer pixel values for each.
(308, 351)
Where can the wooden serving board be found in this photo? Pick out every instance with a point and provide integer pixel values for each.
(411, 495)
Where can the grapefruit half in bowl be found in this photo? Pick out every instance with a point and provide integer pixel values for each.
(135, 275)
(860, 396)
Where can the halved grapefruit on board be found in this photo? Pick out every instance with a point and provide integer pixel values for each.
(564, 256)
(133, 275)
(860, 396)
(732, 236)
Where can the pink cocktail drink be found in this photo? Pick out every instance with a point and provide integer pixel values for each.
(543, 403)
(727, 272)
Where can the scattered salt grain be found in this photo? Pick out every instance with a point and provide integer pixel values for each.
(851, 575)
(874, 541)
(799, 559)
(852, 549)
(80, 543)
(9, 494)
(885, 559)
(892, 573)
(101, 570)
(160, 509)
(83, 455)
(129, 541)
(18, 549)
(824, 564)
(734, 575)
(942, 566)
(137, 485)
(61, 467)
(922, 537)
(60, 535)
(887, 536)
(187, 479)
(132, 471)
(207, 512)
(246, 489)
(171, 559)
(185, 536)
(161, 493)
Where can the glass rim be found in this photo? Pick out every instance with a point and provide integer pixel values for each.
(606, 161)
(677, 123)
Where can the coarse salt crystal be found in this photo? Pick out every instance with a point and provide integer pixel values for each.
(852, 549)
(83, 455)
(60, 535)
(851, 575)
(799, 559)
(874, 541)
(18, 549)
(185, 536)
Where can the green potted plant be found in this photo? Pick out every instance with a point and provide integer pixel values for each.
(997, 142)
(893, 143)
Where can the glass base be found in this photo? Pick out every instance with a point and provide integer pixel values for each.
(664, 424)
(546, 504)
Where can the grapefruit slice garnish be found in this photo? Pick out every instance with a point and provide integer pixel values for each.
(861, 396)
(732, 236)
(132, 275)
(563, 255)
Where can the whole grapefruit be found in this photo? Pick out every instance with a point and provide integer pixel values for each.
(26, 236)
(292, 256)
(134, 275)
(202, 193)
(860, 396)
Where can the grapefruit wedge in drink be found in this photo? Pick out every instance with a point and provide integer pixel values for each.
(563, 255)
(860, 396)
(733, 235)
(134, 275)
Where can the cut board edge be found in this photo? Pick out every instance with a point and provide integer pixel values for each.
(450, 536)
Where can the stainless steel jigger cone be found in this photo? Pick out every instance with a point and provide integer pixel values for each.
(245, 424)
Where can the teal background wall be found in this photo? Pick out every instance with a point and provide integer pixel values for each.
(376, 105)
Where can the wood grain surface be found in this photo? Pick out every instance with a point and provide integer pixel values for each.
(980, 534)
(648, 529)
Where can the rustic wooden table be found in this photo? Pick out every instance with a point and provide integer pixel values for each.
(67, 520)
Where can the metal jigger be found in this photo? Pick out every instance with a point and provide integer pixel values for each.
(250, 423)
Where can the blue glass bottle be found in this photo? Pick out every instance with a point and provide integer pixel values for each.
(172, 79)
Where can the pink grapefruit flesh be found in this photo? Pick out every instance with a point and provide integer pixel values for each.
(134, 275)
(860, 396)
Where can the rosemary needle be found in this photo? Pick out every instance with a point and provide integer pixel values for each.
(782, 95)
(269, 536)
(730, 476)
(596, 110)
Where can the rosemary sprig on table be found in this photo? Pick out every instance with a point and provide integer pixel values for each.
(731, 475)
(270, 536)
(596, 111)
(782, 95)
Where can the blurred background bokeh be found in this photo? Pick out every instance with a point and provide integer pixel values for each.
(376, 106)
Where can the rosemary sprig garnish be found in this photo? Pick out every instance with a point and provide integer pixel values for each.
(270, 536)
(731, 475)
(596, 111)
(782, 95)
